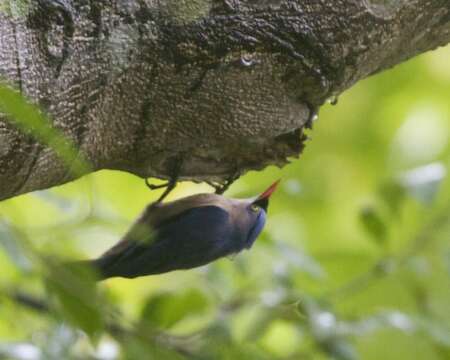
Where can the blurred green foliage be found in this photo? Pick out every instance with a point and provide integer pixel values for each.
(354, 262)
(28, 118)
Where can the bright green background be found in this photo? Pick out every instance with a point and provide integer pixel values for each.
(353, 263)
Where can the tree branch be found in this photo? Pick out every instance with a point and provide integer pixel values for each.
(230, 85)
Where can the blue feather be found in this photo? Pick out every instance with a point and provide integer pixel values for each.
(256, 229)
(193, 238)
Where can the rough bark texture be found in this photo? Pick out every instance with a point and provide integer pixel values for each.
(225, 85)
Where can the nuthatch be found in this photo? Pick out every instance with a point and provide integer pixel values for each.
(185, 234)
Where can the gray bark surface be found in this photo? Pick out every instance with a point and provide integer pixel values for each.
(224, 86)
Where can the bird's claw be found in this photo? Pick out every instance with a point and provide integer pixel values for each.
(220, 188)
(156, 187)
(313, 115)
(217, 187)
(169, 185)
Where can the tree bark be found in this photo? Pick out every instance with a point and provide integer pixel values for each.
(222, 85)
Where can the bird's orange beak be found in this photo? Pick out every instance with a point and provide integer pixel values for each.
(269, 191)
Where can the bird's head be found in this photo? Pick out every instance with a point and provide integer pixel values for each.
(253, 214)
(262, 200)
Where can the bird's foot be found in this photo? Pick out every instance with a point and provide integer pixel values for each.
(169, 185)
(156, 187)
(220, 188)
(313, 115)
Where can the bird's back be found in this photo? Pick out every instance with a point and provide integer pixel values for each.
(190, 239)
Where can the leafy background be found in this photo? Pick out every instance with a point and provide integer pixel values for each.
(354, 262)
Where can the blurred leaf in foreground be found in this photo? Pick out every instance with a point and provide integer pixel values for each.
(374, 224)
(166, 309)
(74, 288)
(30, 119)
(393, 195)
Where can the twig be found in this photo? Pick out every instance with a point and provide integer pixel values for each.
(117, 330)
(28, 301)
(386, 266)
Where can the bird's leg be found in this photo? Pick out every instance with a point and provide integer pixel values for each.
(221, 188)
(214, 185)
(169, 185)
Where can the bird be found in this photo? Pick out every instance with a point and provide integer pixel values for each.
(184, 234)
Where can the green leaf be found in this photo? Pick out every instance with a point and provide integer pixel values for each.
(164, 310)
(135, 348)
(30, 119)
(374, 224)
(393, 195)
(74, 288)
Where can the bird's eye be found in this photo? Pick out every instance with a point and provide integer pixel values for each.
(255, 208)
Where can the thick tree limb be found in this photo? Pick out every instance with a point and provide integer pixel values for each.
(226, 84)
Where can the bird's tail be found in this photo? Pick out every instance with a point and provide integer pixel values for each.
(92, 267)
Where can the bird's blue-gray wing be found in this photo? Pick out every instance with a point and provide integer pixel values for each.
(192, 238)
